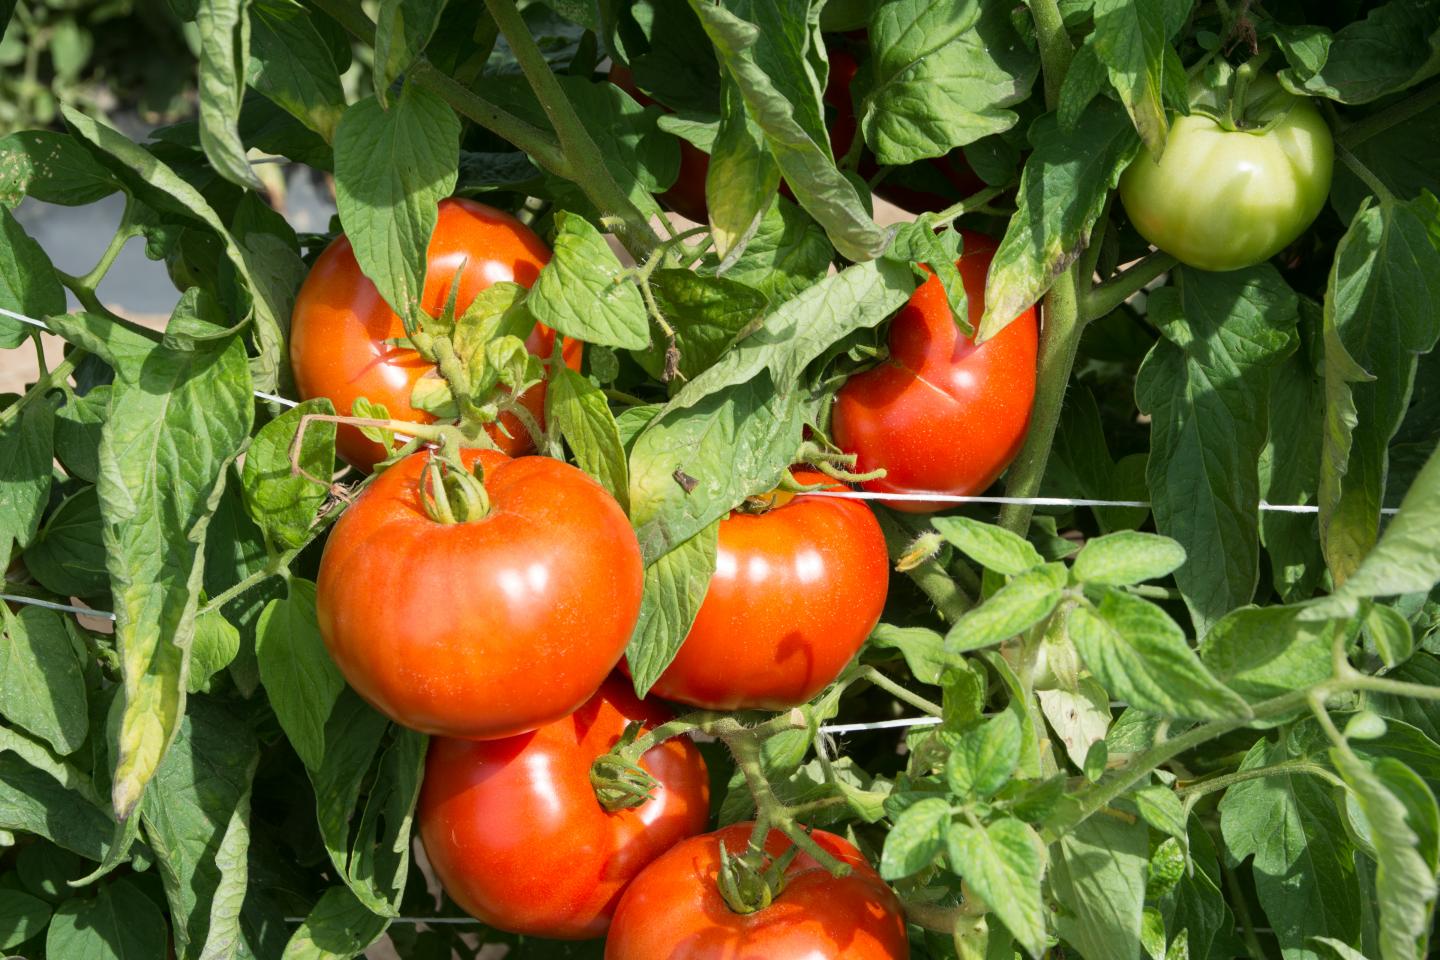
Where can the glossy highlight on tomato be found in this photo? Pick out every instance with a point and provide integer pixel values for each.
(796, 591)
(340, 324)
(674, 911)
(1223, 199)
(941, 414)
(514, 832)
(487, 628)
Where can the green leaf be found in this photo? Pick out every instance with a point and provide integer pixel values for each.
(579, 410)
(28, 283)
(68, 555)
(1396, 46)
(284, 504)
(224, 29)
(1017, 606)
(41, 686)
(1062, 192)
(1304, 864)
(923, 649)
(214, 648)
(1130, 40)
(1386, 272)
(582, 292)
(33, 800)
(291, 64)
(642, 158)
(741, 177)
(1290, 463)
(154, 183)
(1127, 557)
(916, 839)
(21, 917)
(675, 586)
(1161, 808)
(708, 313)
(392, 169)
(984, 758)
(1205, 387)
(1003, 862)
(338, 928)
(301, 680)
(1264, 652)
(766, 59)
(380, 857)
(1390, 632)
(373, 858)
(197, 820)
(1080, 718)
(26, 451)
(1404, 881)
(77, 433)
(994, 548)
(734, 429)
(1099, 874)
(177, 420)
(787, 253)
(51, 167)
(1195, 904)
(944, 74)
(1140, 655)
(1081, 465)
(402, 29)
(1404, 561)
(120, 923)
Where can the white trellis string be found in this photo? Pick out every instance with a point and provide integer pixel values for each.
(1039, 501)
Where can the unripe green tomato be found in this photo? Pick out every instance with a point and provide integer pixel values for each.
(1225, 199)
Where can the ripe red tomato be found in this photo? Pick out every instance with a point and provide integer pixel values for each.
(514, 831)
(673, 910)
(795, 593)
(941, 414)
(488, 628)
(340, 322)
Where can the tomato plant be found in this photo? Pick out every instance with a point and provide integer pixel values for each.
(1046, 571)
(941, 414)
(488, 626)
(810, 913)
(513, 831)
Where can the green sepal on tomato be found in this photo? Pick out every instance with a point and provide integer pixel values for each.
(1236, 185)
(798, 586)
(674, 909)
(941, 414)
(343, 333)
(513, 830)
(484, 628)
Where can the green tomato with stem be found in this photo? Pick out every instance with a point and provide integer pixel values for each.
(1228, 194)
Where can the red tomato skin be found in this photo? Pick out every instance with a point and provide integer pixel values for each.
(941, 414)
(673, 911)
(340, 323)
(483, 629)
(795, 593)
(516, 836)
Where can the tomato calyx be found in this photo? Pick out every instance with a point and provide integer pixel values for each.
(620, 783)
(922, 549)
(747, 883)
(832, 462)
(450, 493)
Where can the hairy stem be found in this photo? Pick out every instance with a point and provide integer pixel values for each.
(1121, 287)
(1366, 175)
(1059, 342)
(901, 693)
(1056, 50)
(1393, 115)
(579, 148)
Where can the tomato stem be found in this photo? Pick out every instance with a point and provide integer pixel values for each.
(1106, 296)
(900, 692)
(1366, 175)
(575, 141)
(950, 598)
(1393, 115)
(1056, 50)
